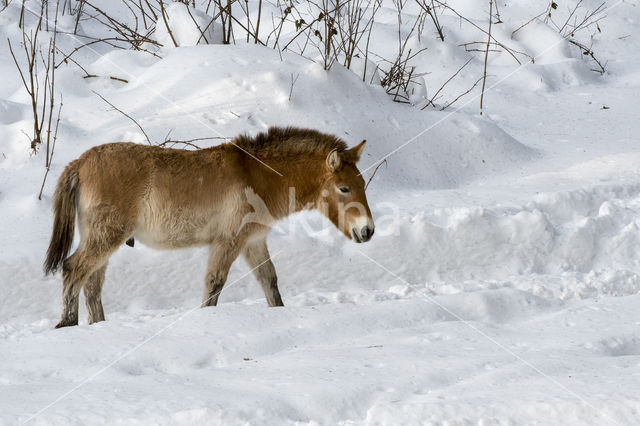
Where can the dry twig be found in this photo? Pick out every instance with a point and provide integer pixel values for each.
(486, 55)
(126, 115)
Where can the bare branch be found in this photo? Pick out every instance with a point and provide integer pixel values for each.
(433, 98)
(126, 115)
(374, 173)
(486, 55)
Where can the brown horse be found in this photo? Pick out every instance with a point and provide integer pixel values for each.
(171, 198)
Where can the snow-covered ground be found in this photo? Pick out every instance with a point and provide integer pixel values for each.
(502, 285)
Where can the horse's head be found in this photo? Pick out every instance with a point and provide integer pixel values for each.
(342, 199)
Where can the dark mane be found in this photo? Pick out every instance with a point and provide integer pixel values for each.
(284, 141)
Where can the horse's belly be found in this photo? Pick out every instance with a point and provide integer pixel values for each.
(160, 239)
(167, 224)
(181, 229)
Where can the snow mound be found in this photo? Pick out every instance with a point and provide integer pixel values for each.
(543, 43)
(187, 26)
(121, 63)
(621, 346)
(370, 75)
(582, 237)
(428, 149)
(10, 112)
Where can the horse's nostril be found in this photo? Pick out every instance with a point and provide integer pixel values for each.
(366, 233)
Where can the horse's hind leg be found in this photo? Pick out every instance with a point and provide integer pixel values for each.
(257, 256)
(75, 272)
(70, 292)
(91, 256)
(93, 295)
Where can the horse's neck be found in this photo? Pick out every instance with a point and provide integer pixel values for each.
(297, 189)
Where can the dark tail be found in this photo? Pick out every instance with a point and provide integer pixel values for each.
(64, 210)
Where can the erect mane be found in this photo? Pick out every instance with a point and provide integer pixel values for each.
(290, 141)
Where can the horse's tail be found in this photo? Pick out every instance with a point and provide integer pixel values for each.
(64, 210)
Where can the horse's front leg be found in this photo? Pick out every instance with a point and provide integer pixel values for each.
(257, 256)
(221, 256)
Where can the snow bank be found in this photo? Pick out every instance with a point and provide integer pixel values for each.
(186, 26)
(444, 154)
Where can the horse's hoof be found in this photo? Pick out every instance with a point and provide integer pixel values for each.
(66, 324)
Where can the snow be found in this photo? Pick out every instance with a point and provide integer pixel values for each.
(501, 287)
(188, 26)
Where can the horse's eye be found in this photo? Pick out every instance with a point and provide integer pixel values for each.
(344, 189)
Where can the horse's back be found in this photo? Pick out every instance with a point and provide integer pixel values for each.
(170, 198)
(126, 171)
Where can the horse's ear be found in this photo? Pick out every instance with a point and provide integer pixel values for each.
(358, 149)
(333, 160)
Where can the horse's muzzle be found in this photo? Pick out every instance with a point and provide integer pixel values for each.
(363, 235)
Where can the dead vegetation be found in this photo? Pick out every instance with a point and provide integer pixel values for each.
(324, 31)
(328, 31)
